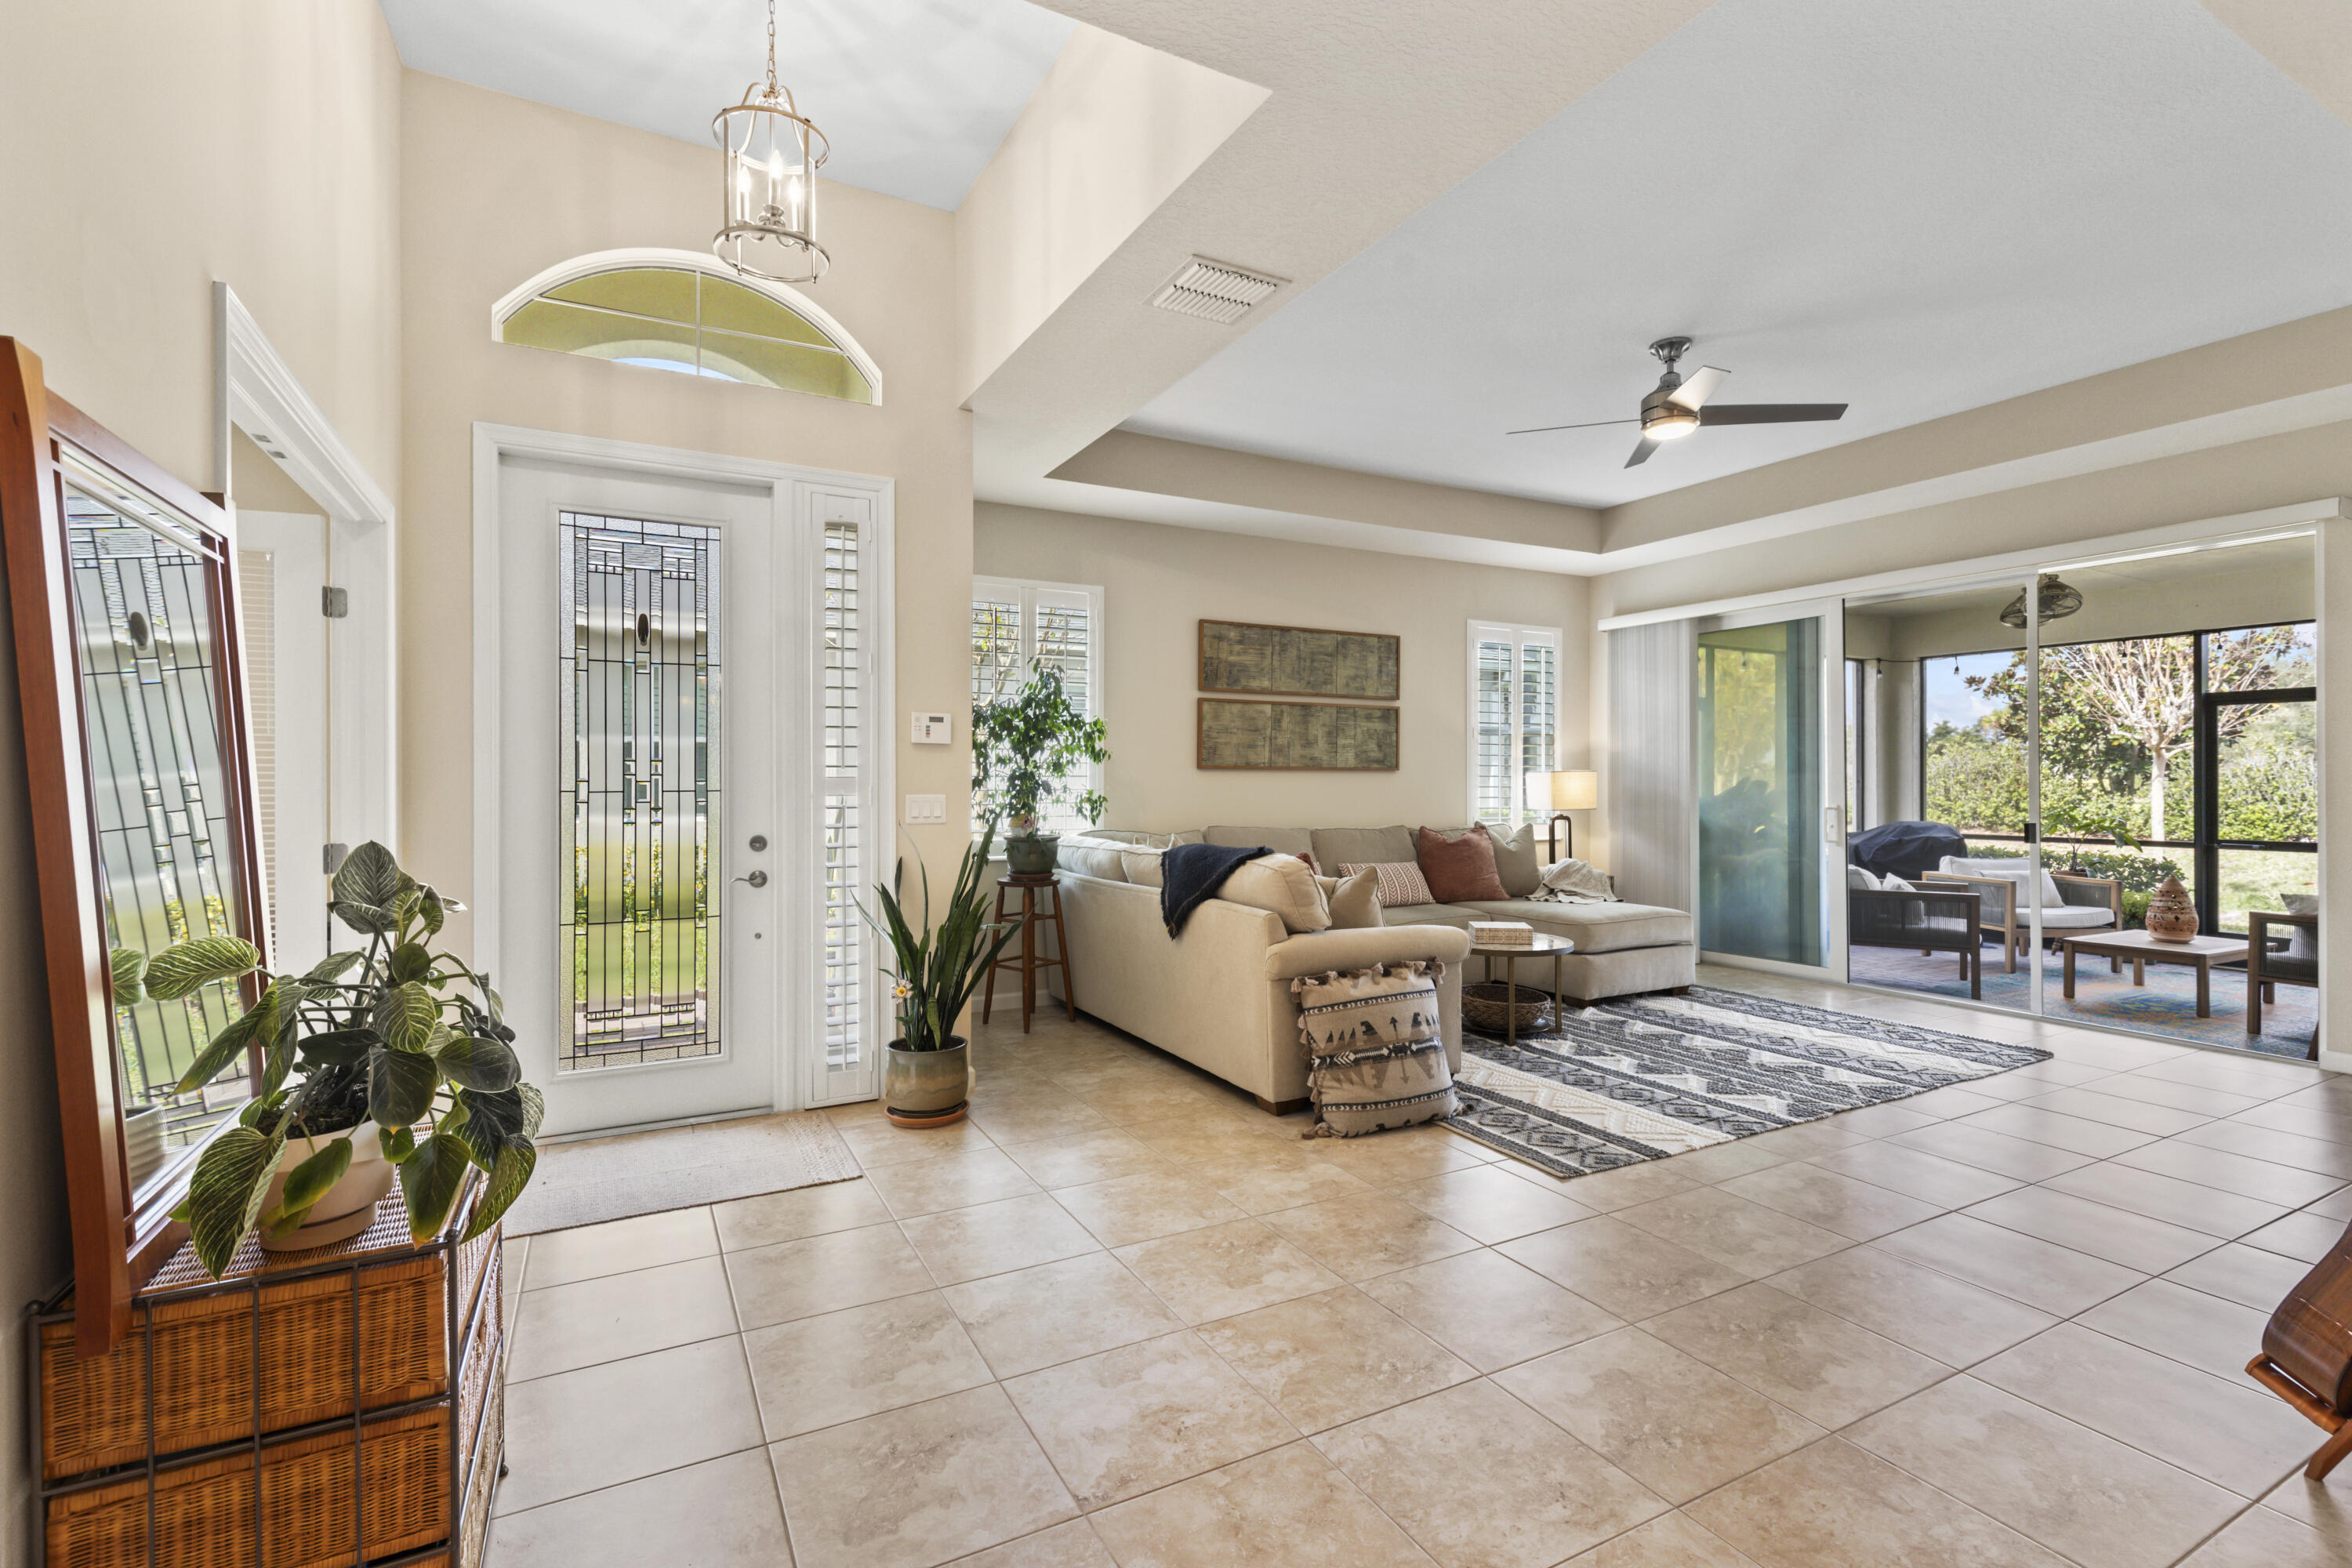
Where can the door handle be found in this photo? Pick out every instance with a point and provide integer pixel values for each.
(757, 879)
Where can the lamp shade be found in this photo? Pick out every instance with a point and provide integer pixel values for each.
(1578, 789)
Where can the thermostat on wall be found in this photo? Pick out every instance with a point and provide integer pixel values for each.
(931, 729)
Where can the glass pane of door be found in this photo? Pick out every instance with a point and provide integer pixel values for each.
(1760, 796)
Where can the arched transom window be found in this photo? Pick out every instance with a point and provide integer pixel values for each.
(681, 310)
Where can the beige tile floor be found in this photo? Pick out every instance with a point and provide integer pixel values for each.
(1122, 1318)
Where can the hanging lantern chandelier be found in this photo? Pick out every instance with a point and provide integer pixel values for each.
(771, 155)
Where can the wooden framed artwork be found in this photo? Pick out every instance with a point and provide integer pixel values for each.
(122, 591)
(1298, 661)
(1297, 736)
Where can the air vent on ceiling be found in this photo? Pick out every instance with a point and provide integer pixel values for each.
(1213, 291)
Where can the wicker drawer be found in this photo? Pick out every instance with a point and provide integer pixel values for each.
(203, 1346)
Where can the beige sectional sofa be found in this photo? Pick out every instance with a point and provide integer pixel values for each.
(1219, 996)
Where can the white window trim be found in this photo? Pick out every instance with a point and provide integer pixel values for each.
(1520, 636)
(594, 262)
(1024, 590)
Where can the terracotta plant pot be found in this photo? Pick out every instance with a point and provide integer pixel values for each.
(349, 1207)
(927, 1088)
(2171, 914)
(1030, 855)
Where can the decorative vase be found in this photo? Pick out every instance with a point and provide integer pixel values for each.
(346, 1208)
(927, 1088)
(2171, 914)
(1031, 854)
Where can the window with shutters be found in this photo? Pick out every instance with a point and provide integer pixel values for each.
(1018, 627)
(1514, 717)
(845, 937)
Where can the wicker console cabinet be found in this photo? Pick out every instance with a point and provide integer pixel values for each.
(274, 1416)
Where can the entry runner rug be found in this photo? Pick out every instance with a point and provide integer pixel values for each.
(1646, 1077)
(599, 1179)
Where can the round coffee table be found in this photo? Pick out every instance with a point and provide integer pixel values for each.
(1544, 946)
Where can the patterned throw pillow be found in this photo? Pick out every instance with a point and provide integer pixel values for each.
(1401, 882)
(1375, 1054)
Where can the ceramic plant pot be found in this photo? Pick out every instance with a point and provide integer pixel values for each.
(2171, 914)
(927, 1088)
(1030, 855)
(349, 1207)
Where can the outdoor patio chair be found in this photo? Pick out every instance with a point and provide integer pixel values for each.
(1921, 921)
(2266, 970)
(2086, 903)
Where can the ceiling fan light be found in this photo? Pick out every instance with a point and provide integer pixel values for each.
(1668, 422)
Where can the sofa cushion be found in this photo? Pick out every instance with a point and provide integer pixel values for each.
(1400, 881)
(1337, 846)
(1453, 915)
(1355, 900)
(1091, 856)
(1516, 862)
(1283, 886)
(1142, 866)
(1281, 840)
(1460, 867)
(1594, 928)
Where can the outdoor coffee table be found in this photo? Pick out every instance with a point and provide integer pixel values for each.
(2201, 953)
(1544, 946)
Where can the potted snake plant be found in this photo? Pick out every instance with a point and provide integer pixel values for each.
(927, 1078)
(407, 1074)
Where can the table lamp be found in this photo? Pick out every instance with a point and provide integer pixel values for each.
(1578, 789)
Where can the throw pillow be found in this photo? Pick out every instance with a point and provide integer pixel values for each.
(1400, 882)
(1517, 863)
(1375, 1052)
(1858, 879)
(1355, 900)
(1459, 870)
(1282, 885)
(1142, 867)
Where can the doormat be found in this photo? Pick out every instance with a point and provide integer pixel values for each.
(679, 1167)
(1643, 1079)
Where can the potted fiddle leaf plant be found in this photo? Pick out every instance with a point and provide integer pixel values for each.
(928, 1076)
(1024, 748)
(388, 1062)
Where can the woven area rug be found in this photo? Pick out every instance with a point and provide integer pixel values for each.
(680, 1167)
(1643, 1079)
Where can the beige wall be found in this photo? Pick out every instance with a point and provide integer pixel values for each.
(1160, 582)
(1109, 133)
(152, 148)
(497, 189)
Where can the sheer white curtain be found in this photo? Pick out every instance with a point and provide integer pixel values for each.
(1651, 779)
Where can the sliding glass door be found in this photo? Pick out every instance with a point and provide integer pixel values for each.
(1764, 813)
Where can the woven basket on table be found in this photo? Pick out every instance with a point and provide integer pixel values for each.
(1486, 1005)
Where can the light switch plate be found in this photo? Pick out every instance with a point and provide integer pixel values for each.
(927, 808)
(932, 729)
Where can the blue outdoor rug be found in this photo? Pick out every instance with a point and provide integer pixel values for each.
(1650, 1077)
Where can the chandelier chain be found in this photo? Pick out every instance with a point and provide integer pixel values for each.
(772, 49)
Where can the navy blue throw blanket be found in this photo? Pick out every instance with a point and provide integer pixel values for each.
(1191, 874)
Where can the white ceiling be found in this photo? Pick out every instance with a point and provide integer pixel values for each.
(1912, 209)
(914, 95)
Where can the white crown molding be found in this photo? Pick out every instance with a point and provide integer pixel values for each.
(260, 395)
(597, 261)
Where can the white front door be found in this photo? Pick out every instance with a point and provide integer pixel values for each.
(641, 621)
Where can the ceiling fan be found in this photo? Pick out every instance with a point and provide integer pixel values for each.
(1679, 406)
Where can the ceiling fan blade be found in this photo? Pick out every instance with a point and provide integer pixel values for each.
(1641, 451)
(1697, 386)
(1589, 424)
(1770, 412)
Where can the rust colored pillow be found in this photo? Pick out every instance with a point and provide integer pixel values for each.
(1460, 871)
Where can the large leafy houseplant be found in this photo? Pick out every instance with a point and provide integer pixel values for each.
(1025, 746)
(939, 965)
(395, 1033)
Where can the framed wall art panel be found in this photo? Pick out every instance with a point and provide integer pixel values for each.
(1297, 736)
(1298, 661)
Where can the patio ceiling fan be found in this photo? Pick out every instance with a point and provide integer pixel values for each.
(1679, 406)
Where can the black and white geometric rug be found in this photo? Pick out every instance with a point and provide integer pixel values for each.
(1620, 1082)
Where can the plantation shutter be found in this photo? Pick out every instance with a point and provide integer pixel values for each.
(849, 854)
(1515, 717)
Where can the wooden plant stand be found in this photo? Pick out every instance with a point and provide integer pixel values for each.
(339, 1405)
(1033, 892)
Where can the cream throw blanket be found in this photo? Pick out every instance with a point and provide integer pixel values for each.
(1574, 882)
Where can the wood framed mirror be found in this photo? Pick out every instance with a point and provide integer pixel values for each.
(138, 770)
